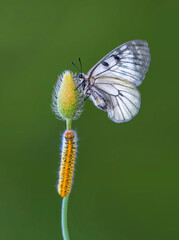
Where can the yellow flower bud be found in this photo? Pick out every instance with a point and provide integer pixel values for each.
(67, 99)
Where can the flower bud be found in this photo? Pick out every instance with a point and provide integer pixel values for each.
(67, 98)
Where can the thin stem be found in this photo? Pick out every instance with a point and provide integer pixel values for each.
(68, 124)
(64, 218)
(65, 199)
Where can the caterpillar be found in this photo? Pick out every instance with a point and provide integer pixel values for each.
(67, 166)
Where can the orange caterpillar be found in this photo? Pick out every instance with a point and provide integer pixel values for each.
(68, 155)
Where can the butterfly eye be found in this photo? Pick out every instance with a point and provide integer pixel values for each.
(80, 75)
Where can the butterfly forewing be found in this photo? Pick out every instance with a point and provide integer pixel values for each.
(129, 61)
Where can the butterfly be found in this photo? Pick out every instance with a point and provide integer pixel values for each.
(112, 82)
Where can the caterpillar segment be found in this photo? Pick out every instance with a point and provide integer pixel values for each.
(67, 166)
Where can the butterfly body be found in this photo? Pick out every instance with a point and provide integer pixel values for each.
(112, 83)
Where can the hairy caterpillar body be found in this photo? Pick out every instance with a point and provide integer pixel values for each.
(68, 155)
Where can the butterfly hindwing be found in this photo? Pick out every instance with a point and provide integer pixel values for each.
(129, 61)
(122, 98)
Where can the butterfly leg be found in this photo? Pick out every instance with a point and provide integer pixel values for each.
(85, 99)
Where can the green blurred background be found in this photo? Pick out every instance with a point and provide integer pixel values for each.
(126, 180)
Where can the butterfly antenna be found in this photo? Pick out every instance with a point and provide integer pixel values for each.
(80, 63)
(79, 71)
(75, 66)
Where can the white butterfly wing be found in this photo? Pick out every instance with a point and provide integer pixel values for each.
(122, 97)
(129, 61)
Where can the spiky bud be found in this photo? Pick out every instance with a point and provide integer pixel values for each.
(67, 98)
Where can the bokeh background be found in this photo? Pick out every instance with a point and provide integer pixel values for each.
(126, 181)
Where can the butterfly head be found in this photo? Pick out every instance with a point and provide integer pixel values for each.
(82, 81)
(80, 76)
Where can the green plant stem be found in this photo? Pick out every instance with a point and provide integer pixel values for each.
(68, 124)
(64, 218)
(65, 199)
